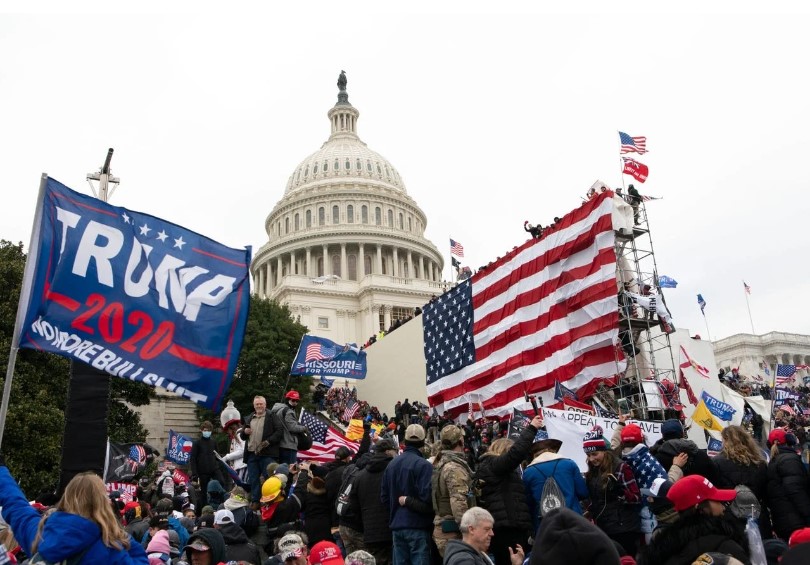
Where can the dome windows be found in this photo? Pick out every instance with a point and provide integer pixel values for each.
(378, 216)
(401, 221)
(335, 215)
(297, 222)
(379, 172)
(350, 214)
(309, 218)
(325, 166)
(337, 164)
(315, 169)
(321, 216)
(368, 166)
(391, 218)
(358, 166)
(348, 164)
(364, 214)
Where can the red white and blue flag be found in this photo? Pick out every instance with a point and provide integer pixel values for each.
(635, 169)
(545, 312)
(319, 352)
(178, 448)
(133, 295)
(325, 440)
(456, 248)
(351, 409)
(632, 144)
(318, 356)
(786, 373)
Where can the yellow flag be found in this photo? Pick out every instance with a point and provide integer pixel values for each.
(355, 430)
(705, 419)
(377, 428)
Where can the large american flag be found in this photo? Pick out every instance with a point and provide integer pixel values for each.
(633, 144)
(456, 248)
(545, 312)
(325, 440)
(786, 373)
(318, 352)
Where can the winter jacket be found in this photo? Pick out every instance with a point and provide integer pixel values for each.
(699, 462)
(502, 491)
(284, 420)
(608, 509)
(64, 535)
(788, 493)
(366, 497)
(687, 538)
(352, 519)
(730, 474)
(567, 476)
(202, 460)
(458, 552)
(451, 487)
(237, 545)
(333, 480)
(213, 539)
(408, 475)
(567, 537)
(270, 434)
(284, 513)
(317, 515)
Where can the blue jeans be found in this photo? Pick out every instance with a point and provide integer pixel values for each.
(257, 466)
(411, 546)
(288, 456)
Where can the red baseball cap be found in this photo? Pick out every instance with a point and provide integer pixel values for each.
(777, 435)
(694, 489)
(293, 395)
(799, 536)
(325, 553)
(631, 433)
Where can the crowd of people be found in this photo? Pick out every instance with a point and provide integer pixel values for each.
(395, 324)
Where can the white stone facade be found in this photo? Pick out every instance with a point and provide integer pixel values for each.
(749, 352)
(346, 250)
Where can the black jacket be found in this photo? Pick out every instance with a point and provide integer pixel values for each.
(687, 538)
(699, 462)
(788, 493)
(458, 552)
(366, 496)
(202, 460)
(730, 474)
(334, 478)
(269, 434)
(237, 545)
(607, 508)
(502, 489)
(317, 515)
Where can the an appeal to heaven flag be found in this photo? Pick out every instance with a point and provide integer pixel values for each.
(545, 312)
(135, 296)
(319, 356)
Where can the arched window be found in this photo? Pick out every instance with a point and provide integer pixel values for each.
(309, 218)
(320, 266)
(352, 267)
(350, 214)
(368, 166)
(336, 265)
(325, 166)
(279, 228)
(367, 265)
(391, 218)
(364, 214)
(297, 222)
(358, 166)
(410, 224)
(378, 216)
(315, 169)
(348, 164)
(335, 215)
(379, 172)
(287, 225)
(321, 216)
(337, 164)
(306, 172)
(401, 221)
(385, 265)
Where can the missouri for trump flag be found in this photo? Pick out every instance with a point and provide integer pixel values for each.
(546, 312)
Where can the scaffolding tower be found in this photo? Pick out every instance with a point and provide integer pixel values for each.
(647, 387)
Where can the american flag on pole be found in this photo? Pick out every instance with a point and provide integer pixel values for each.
(786, 373)
(747, 288)
(633, 144)
(325, 440)
(351, 409)
(545, 312)
(318, 352)
(456, 248)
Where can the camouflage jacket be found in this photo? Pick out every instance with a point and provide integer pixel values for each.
(451, 487)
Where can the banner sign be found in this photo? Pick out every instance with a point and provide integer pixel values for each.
(319, 356)
(782, 395)
(179, 448)
(125, 460)
(128, 491)
(136, 296)
(570, 427)
(719, 408)
(714, 447)
(518, 423)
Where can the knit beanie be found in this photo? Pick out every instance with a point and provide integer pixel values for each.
(595, 441)
(672, 429)
(159, 543)
(566, 537)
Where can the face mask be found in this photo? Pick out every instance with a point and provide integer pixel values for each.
(206, 434)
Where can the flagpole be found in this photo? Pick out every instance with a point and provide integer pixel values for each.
(621, 164)
(25, 299)
(706, 320)
(750, 319)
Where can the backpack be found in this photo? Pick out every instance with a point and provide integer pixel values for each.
(304, 440)
(552, 496)
(247, 519)
(745, 504)
(342, 504)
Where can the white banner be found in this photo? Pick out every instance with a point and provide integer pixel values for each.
(570, 427)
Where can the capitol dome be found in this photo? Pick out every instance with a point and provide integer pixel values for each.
(346, 249)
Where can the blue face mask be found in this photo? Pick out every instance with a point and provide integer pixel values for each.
(206, 434)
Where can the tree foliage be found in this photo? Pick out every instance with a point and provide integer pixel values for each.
(32, 441)
(271, 341)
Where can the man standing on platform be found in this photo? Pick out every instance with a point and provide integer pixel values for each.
(203, 463)
(284, 419)
(261, 446)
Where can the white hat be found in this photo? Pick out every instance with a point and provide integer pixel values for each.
(223, 516)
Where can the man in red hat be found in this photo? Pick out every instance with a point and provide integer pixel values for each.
(284, 419)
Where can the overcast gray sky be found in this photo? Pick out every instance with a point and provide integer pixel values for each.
(492, 116)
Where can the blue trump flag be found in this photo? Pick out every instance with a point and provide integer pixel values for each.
(322, 357)
(135, 296)
(721, 409)
(178, 448)
(667, 282)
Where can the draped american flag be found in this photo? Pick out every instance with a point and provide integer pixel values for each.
(325, 440)
(545, 312)
(456, 248)
(633, 144)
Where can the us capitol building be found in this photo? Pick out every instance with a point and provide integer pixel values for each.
(347, 251)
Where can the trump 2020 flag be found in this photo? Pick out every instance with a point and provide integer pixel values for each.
(178, 448)
(323, 357)
(135, 296)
